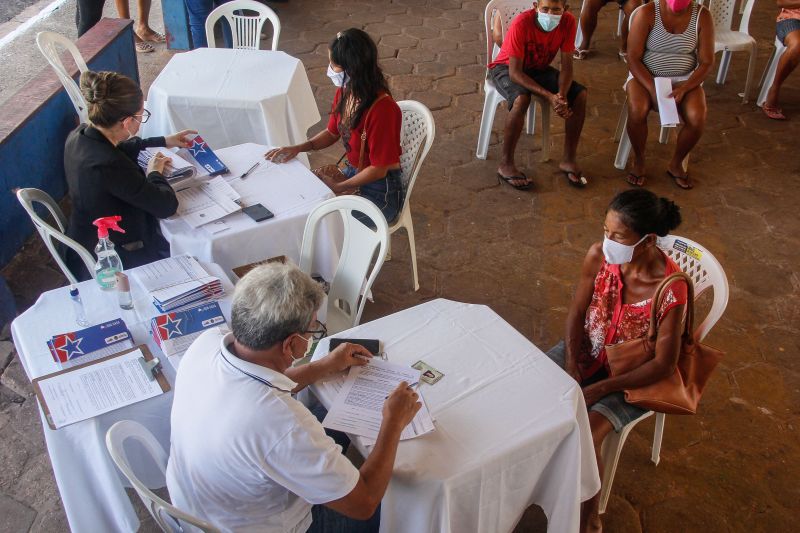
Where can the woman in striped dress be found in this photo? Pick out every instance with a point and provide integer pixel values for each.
(672, 39)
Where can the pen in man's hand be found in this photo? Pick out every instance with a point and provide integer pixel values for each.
(249, 170)
(409, 387)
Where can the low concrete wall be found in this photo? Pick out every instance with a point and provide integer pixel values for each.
(35, 122)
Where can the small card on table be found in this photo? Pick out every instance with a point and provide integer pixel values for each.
(429, 374)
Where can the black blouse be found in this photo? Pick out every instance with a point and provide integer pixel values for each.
(106, 180)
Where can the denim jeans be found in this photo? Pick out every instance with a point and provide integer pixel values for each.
(198, 11)
(325, 519)
(386, 193)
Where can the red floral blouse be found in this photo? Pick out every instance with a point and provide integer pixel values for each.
(609, 321)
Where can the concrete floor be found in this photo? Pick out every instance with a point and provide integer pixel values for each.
(732, 467)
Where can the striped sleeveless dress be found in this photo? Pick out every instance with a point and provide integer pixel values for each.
(668, 54)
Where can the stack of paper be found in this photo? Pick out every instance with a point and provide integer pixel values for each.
(175, 332)
(209, 201)
(358, 407)
(177, 282)
(667, 108)
(179, 172)
(91, 343)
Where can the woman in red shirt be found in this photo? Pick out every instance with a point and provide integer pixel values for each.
(362, 105)
(612, 304)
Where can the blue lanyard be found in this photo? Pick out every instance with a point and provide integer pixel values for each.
(257, 378)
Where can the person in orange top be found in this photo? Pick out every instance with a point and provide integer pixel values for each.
(612, 304)
(788, 31)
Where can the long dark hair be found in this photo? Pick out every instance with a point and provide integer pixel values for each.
(645, 213)
(356, 52)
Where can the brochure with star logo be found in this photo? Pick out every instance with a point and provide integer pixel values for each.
(204, 157)
(175, 332)
(90, 343)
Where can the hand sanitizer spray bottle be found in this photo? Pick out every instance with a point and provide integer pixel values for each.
(108, 261)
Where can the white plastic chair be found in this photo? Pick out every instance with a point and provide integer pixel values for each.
(246, 29)
(27, 197)
(621, 133)
(169, 518)
(769, 72)
(507, 9)
(353, 277)
(49, 43)
(705, 271)
(416, 138)
(579, 32)
(728, 41)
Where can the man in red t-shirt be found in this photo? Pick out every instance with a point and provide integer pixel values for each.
(523, 67)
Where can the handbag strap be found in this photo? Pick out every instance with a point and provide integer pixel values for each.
(657, 300)
(364, 132)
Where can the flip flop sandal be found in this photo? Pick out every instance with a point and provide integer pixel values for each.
(578, 183)
(675, 178)
(775, 113)
(509, 179)
(636, 180)
(144, 48)
(580, 54)
(623, 56)
(157, 38)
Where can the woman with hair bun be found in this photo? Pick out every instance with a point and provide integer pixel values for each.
(612, 304)
(104, 177)
(362, 108)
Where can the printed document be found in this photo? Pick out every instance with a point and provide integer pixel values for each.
(358, 408)
(173, 277)
(97, 388)
(667, 108)
(209, 201)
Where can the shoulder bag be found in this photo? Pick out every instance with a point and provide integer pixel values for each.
(679, 393)
(333, 172)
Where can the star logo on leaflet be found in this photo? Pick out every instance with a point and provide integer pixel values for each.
(172, 326)
(72, 347)
(197, 147)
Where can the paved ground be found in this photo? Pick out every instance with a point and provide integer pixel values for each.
(733, 467)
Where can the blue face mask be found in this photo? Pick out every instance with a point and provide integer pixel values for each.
(547, 21)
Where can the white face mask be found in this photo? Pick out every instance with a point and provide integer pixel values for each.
(617, 253)
(309, 347)
(547, 21)
(336, 77)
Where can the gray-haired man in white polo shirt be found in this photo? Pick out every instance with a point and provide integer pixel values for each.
(247, 456)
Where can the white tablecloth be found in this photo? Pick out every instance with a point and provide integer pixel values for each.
(233, 97)
(289, 190)
(92, 491)
(511, 427)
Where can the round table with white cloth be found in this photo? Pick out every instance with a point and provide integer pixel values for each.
(233, 97)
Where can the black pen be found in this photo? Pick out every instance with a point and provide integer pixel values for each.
(249, 170)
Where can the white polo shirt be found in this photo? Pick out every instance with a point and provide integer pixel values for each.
(245, 456)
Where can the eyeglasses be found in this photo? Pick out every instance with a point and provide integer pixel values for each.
(144, 117)
(319, 332)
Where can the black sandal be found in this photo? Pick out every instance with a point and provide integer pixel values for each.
(636, 180)
(689, 184)
(509, 179)
(578, 183)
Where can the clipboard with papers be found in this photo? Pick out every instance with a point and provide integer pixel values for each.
(100, 386)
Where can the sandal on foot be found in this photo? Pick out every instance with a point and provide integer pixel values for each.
(689, 184)
(623, 56)
(580, 180)
(580, 54)
(775, 113)
(157, 37)
(144, 48)
(521, 177)
(637, 181)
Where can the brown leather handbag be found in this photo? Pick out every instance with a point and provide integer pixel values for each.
(679, 393)
(333, 172)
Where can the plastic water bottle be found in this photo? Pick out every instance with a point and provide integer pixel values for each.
(108, 261)
(77, 305)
